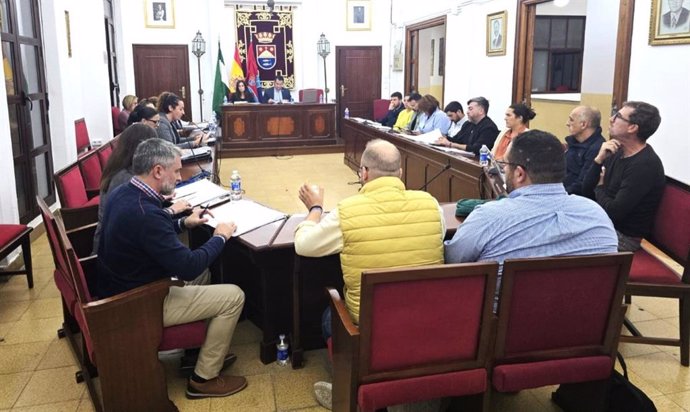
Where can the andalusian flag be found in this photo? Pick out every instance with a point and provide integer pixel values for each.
(220, 86)
(236, 72)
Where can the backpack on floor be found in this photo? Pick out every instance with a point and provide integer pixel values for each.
(624, 396)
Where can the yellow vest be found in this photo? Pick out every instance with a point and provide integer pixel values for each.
(386, 226)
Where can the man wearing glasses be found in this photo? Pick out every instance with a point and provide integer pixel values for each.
(538, 218)
(627, 176)
(382, 226)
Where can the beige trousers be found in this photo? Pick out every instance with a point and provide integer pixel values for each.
(221, 305)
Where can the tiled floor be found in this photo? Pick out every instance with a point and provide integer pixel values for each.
(37, 369)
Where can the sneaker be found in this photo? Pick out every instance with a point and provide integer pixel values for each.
(216, 387)
(323, 391)
(188, 362)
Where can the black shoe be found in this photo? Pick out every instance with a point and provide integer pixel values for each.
(187, 363)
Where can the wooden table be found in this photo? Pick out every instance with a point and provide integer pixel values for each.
(260, 129)
(445, 176)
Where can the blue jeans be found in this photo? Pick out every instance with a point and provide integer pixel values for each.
(326, 323)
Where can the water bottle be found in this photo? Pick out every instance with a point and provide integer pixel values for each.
(484, 153)
(321, 100)
(212, 125)
(282, 352)
(235, 186)
(347, 113)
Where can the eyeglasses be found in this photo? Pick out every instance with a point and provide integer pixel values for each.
(503, 164)
(154, 121)
(618, 115)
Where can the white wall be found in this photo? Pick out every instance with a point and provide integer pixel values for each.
(599, 58)
(659, 75)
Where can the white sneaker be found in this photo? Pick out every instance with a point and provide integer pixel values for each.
(323, 391)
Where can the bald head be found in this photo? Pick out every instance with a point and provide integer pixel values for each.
(381, 158)
(583, 122)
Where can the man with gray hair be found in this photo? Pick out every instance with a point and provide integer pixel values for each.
(139, 245)
(584, 142)
(381, 227)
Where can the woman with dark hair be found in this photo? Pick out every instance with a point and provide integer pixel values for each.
(171, 109)
(144, 114)
(118, 171)
(517, 117)
(431, 116)
(243, 93)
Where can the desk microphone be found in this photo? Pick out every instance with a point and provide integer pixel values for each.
(446, 167)
(203, 173)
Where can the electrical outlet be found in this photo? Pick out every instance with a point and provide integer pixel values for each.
(96, 142)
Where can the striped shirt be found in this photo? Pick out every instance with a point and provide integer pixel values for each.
(538, 220)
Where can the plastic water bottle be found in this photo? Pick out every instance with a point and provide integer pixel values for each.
(235, 186)
(212, 124)
(321, 100)
(282, 352)
(484, 153)
(347, 113)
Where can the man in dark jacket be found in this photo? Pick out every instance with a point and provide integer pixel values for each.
(584, 142)
(394, 109)
(483, 130)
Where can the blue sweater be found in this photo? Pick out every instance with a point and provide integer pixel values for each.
(139, 244)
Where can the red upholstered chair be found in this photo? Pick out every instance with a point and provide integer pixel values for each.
(424, 333)
(104, 153)
(77, 208)
(380, 108)
(82, 136)
(558, 323)
(317, 94)
(115, 113)
(91, 171)
(11, 237)
(122, 336)
(649, 276)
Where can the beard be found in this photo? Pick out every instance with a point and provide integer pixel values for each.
(167, 188)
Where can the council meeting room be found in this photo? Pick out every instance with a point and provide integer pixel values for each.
(347, 205)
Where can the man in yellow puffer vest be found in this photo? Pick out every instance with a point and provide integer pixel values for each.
(383, 226)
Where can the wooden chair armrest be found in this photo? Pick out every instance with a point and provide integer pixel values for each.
(79, 216)
(142, 293)
(339, 310)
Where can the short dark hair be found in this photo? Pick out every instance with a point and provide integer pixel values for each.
(415, 96)
(523, 111)
(279, 77)
(541, 154)
(454, 107)
(167, 99)
(482, 102)
(646, 117)
(140, 113)
(397, 94)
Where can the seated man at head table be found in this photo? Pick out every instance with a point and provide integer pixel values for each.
(584, 142)
(171, 109)
(538, 218)
(276, 94)
(394, 109)
(627, 177)
(459, 126)
(139, 244)
(354, 229)
(482, 130)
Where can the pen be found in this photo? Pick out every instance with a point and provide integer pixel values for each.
(204, 211)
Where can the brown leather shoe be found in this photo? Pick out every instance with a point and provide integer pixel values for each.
(219, 386)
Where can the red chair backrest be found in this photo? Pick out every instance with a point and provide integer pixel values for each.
(104, 153)
(91, 170)
(566, 304)
(671, 230)
(82, 135)
(115, 112)
(381, 108)
(417, 317)
(70, 186)
(76, 270)
(319, 94)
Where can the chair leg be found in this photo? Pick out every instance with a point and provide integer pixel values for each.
(628, 299)
(26, 254)
(684, 311)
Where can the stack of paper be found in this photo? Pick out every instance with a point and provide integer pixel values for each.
(246, 214)
(199, 192)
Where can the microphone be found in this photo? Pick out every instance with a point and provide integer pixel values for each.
(203, 173)
(424, 186)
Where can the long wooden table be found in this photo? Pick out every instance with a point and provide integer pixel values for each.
(255, 129)
(447, 177)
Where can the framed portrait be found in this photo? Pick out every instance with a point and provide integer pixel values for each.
(496, 33)
(358, 15)
(159, 14)
(669, 22)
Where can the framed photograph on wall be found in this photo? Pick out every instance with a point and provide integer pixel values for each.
(669, 22)
(159, 14)
(496, 33)
(358, 15)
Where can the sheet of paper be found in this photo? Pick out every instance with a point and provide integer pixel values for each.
(456, 151)
(199, 192)
(426, 138)
(247, 215)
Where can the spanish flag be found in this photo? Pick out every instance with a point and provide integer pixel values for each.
(236, 72)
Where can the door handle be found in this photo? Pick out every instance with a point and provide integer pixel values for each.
(183, 92)
(26, 99)
(342, 90)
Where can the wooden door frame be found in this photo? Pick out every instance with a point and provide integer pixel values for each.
(427, 24)
(524, 52)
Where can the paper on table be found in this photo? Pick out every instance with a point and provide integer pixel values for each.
(454, 150)
(201, 191)
(246, 214)
(427, 138)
